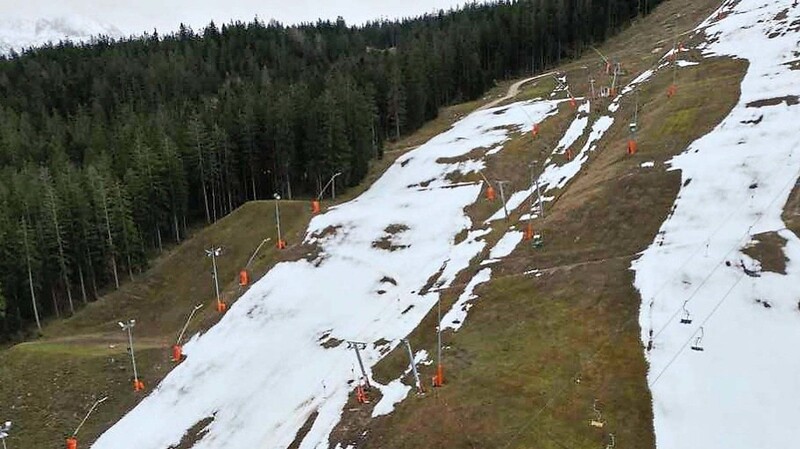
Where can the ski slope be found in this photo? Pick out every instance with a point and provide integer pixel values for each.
(262, 371)
(741, 391)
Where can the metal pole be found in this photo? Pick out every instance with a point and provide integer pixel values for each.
(413, 365)
(439, 333)
(185, 326)
(98, 402)
(539, 194)
(503, 196)
(133, 356)
(216, 277)
(357, 346)
(250, 260)
(278, 217)
(322, 192)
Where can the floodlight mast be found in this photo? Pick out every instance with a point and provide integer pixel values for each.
(213, 253)
(277, 197)
(128, 327)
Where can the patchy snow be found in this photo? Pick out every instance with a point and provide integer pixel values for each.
(575, 130)
(741, 391)
(393, 393)
(506, 244)
(495, 150)
(682, 63)
(648, 164)
(260, 371)
(455, 317)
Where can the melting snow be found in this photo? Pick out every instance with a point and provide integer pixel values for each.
(455, 317)
(259, 372)
(741, 392)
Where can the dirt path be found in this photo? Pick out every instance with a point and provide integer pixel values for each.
(513, 91)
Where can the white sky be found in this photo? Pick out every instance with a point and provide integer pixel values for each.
(136, 16)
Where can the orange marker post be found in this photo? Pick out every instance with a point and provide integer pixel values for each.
(281, 244)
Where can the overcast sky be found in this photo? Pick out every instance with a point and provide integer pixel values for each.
(136, 16)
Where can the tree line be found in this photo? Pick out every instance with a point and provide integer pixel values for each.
(111, 149)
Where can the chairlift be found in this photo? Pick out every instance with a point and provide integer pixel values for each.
(687, 319)
(698, 346)
(633, 126)
(538, 241)
(598, 420)
(612, 443)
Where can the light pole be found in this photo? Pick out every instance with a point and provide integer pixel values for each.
(72, 442)
(213, 253)
(177, 350)
(138, 385)
(281, 243)
(4, 429)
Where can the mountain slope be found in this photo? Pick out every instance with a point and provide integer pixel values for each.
(699, 286)
(18, 34)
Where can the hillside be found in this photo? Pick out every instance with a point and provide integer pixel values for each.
(697, 224)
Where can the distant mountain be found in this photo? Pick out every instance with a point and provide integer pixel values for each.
(18, 34)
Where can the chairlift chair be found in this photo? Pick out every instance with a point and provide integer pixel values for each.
(698, 346)
(538, 241)
(598, 420)
(686, 319)
(612, 443)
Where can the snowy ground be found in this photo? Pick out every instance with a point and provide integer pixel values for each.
(742, 390)
(262, 371)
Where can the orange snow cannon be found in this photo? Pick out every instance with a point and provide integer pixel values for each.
(632, 147)
(244, 278)
(438, 379)
(528, 232)
(315, 207)
(177, 353)
(672, 90)
(490, 193)
(281, 244)
(138, 385)
(221, 307)
(72, 443)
